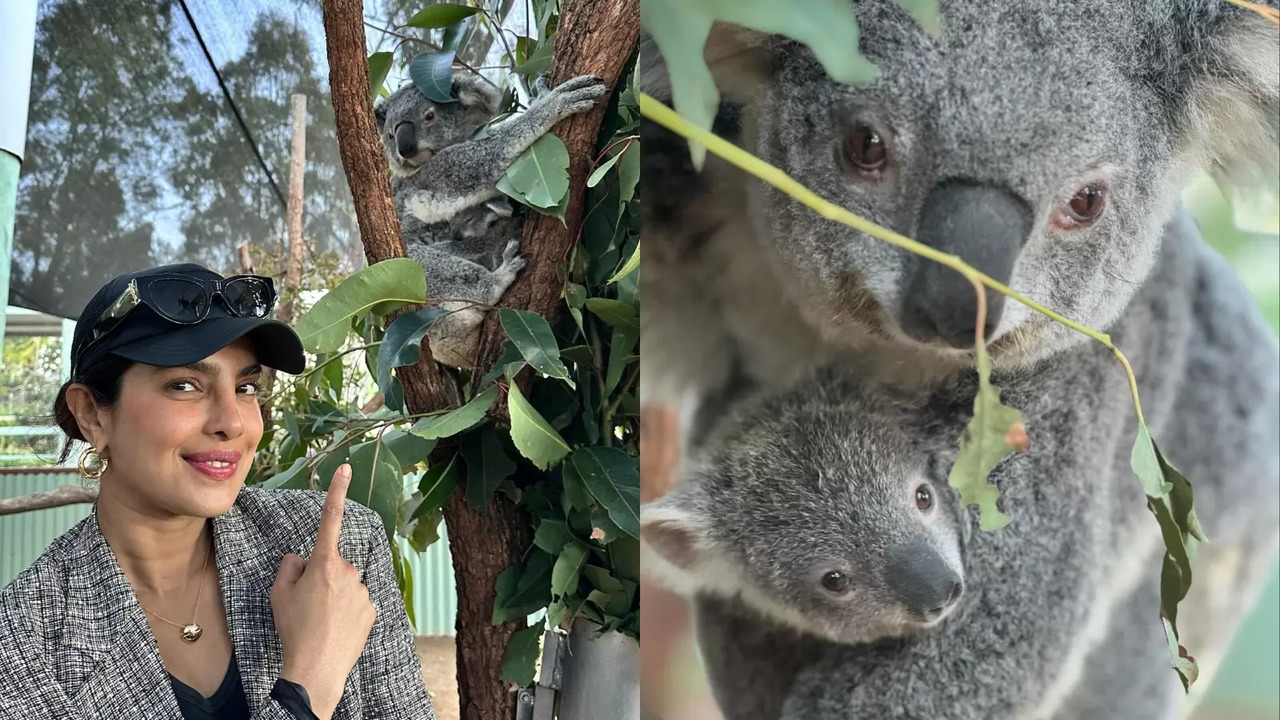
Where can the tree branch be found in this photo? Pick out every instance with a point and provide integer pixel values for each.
(64, 495)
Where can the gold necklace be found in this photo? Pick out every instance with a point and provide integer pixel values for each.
(192, 632)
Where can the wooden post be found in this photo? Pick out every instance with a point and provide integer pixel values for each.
(293, 215)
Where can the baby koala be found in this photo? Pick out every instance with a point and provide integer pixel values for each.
(444, 174)
(824, 507)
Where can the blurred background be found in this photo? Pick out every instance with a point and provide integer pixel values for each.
(1247, 686)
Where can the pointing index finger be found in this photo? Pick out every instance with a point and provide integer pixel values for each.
(335, 501)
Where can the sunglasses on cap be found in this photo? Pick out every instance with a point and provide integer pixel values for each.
(186, 300)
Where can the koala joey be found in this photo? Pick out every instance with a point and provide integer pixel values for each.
(454, 220)
(820, 509)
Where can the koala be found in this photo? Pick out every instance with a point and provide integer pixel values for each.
(1045, 143)
(822, 510)
(453, 218)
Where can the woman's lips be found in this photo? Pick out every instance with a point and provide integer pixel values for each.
(215, 464)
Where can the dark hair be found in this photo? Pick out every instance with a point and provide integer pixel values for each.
(103, 380)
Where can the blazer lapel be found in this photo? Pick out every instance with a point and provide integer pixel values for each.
(118, 664)
(247, 563)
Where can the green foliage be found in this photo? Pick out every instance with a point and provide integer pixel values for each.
(995, 430)
(432, 73)
(579, 406)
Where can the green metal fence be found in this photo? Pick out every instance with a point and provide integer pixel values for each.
(23, 537)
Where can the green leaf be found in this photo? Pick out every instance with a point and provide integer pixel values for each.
(540, 177)
(440, 15)
(522, 591)
(521, 655)
(532, 435)
(537, 344)
(432, 74)
(437, 485)
(681, 27)
(575, 491)
(629, 266)
(995, 431)
(598, 173)
(376, 482)
(615, 313)
(296, 477)
(624, 341)
(426, 530)
(1169, 498)
(402, 344)
(487, 466)
(409, 449)
(629, 171)
(291, 424)
(456, 35)
(457, 420)
(564, 577)
(511, 360)
(539, 61)
(379, 66)
(381, 287)
(552, 535)
(613, 478)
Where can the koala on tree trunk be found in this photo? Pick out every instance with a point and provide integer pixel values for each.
(453, 218)
(1047, 144)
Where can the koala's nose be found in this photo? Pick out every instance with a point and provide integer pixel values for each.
(406, 140)
(986, 227)
(922, 581)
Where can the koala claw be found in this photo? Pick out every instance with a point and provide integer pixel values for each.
(579, 94)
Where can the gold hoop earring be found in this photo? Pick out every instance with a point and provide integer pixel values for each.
(93, 464)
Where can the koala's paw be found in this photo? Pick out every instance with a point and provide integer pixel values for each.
(578, 94)
(512, 261)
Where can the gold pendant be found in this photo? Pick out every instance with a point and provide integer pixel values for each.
(191, 633)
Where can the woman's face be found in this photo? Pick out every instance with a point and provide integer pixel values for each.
(181, 440)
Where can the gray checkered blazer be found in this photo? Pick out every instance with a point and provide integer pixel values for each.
(74, 643)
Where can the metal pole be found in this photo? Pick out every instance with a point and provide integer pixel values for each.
(17, 44)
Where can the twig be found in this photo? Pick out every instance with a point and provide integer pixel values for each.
(64, 495)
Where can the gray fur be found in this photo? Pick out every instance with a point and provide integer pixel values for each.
(820, 477)
(454, 220)
(1032, 99)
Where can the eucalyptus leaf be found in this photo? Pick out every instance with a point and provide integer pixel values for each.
(629, 266)
(532, 435)
(379, 66)
(523, 590)
(615, 313)
(438, 484)
(613, 478)
(432, 74)
(457, 420)
(402, 343)
(565, 574)
(629, 172)
(383, 286)
(539, 60)
(598, 174)
(426, 530)
(409, 449)
(296, 477)
(552, 535)
(539, 178)
(995, 430)
(487, 466)
(440, 15)
(537, 344)
(376, 482)
(521, 655)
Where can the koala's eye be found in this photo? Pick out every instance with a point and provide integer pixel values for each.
(924, 498)
(431, 115)
(1083, 208)
(835, 582)
(865, 149)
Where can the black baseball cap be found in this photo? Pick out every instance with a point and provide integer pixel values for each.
(146, 337)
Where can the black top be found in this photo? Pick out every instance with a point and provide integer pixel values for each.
(229, 702)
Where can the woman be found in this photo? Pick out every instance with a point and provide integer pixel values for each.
(185, 594)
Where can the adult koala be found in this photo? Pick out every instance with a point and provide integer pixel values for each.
(453, 218)
(1045, 143)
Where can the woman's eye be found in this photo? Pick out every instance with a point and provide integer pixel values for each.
(182, 386)
(249, 388)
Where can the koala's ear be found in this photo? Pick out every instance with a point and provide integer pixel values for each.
(380, 115)
(476, 94)
(1231, 122)
(673, 532)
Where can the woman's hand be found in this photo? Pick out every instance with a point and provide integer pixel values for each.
(322, 610)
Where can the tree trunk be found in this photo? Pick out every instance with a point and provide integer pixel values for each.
(481, 545)
(64, 495)
(595, 37)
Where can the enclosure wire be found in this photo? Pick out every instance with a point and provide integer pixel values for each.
(248, 136)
